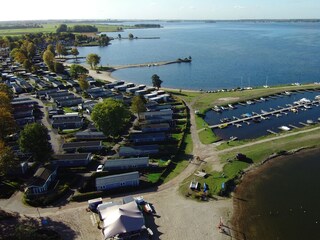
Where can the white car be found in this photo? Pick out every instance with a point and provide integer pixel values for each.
(100, 168)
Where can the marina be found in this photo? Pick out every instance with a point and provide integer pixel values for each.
(272, 115)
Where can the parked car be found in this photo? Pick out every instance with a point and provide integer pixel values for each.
(100, 168)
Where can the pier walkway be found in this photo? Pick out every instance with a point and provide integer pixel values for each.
(256, 116)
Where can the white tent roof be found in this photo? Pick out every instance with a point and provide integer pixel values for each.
(121, 219)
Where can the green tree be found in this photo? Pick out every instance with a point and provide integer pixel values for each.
(27, 64)
(62, 28)
(58, 67)
(60, 49)
(48, 58)
(138, 105)
(103, 40)
(110, 116)
(7, 159)
(75, 52)
(18, 55)
(93, 60)
(83, 82)
(50, 47)
(34, 139)
(156, 81)
(130, 36)
(7, 123)
(4, 88)
(77, 70)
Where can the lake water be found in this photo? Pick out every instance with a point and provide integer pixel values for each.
(255, 130)
(281, 201)
(225, 54)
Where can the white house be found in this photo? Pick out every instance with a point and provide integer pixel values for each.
(117, 181)
(126, 163)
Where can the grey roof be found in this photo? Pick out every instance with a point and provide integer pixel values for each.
(73, 157)
(82, 144)
(117, 178)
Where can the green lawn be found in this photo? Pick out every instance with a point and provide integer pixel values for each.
(257, 153)
(181, 161)
(51, 28)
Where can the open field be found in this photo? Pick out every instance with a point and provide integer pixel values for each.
(51, 28)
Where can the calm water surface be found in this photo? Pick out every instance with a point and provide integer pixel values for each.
(225, 55)
(282, 202)
(255, 130)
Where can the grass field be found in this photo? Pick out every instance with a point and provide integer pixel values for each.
(51, 28)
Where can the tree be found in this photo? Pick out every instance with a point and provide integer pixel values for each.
(7, 123)
(103, 40)
(83, 82)
(5, 101)
(27, 64)
(131, 36)
(77, 70)
(7, 158)
(62, 28)
(4, 88)
(34, 139)
(156, 81)
(50, 47)
(48, 58)
(110, 117)
(58, 67)
(60, 49)
(138, 105)
(18, 55)
(93, 60)
(75, 52)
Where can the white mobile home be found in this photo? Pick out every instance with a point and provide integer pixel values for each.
(126, 163)
(117, 181)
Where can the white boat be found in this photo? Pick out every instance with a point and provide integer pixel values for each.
(310, 122)
(250, 102)
(317, 97)
(287, 93)
(284, 128)
(306, 106)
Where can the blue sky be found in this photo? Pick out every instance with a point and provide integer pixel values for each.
(158, 9)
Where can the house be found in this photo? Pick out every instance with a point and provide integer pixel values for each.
(89, 146)
(166, 113)
(98, 92)
(144, 150)
(123, 87)
(113, 84)
(117, 181)
(67, 121)
(161, 127)
(148, 137)
(71, 160)
(53, 94)
(161, 98)
(43, 93)
(90, 135)
(42, 180)
(122, 221)
(69, 102)
(23, 121)
(134, 89)
(126, 163)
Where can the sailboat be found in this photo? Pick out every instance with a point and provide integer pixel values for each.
(266, 86)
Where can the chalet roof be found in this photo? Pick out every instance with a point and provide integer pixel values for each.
(82, 144)
(73, 157)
